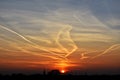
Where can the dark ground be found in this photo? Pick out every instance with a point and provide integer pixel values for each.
(58, 77)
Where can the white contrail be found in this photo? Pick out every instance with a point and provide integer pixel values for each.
(36, 54)
(107, 50)
(65, 32)
(83, 56)
(78, 19)
(15, 33)
(74, 46)
(67, 35)
(94, 19)
(35, 45)
(58, 43)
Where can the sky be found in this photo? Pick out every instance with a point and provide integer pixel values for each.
(71, 35)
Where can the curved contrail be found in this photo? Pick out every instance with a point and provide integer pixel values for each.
(74, 46)
(65, 32)
(58, 43)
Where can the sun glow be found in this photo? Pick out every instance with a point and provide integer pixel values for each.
(62, 66)
(62, 71)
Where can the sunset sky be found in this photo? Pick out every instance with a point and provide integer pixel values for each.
(70, 35)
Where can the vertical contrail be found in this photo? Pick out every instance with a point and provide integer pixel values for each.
(64, 35)
(58, 41)
(35, 45)
(107, 50)
(74, 47)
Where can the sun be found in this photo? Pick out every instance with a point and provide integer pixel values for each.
(62, 71)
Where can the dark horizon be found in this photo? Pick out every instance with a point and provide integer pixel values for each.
(73, 72)
(57, 75)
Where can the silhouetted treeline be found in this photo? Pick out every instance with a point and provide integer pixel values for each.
(58, 77)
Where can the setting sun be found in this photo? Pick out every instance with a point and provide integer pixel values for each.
(62, 71)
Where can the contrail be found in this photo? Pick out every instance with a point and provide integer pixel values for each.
(65, 32)
(58, 43)
(83, 56)
(95, 19)
(107, 50)
(36, 54)
(38, 39)
(15, 33)
(35, 45)
(74, 46)
(8, 50)
(77, 18)
(104, 26)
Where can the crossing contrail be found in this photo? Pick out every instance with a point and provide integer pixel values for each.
(35, 45)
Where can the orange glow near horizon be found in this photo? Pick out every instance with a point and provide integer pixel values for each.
(62, 66)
